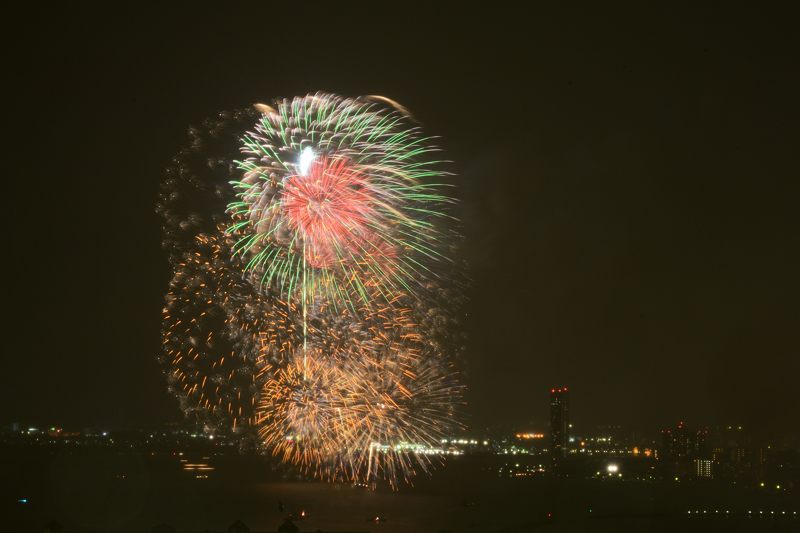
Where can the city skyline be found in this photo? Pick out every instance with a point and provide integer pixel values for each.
(557, 431)
(597, 476)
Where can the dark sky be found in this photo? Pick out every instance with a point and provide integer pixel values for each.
(630, 190)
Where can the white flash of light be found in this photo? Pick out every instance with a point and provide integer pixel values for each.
(306, 158)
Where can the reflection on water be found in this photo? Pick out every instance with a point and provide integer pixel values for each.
(200, 469)
(198, 491)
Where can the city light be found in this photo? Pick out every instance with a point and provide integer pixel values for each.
(689, 460)
(530, 436)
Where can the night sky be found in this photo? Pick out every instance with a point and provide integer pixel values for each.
(629, 194)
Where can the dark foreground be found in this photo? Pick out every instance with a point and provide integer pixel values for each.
(113, 490)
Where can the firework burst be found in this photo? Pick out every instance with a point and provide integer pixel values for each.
(304, 417)
(337, 193)
(217, 333)
(367, 400)
(313, 285)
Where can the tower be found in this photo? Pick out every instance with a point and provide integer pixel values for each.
(559, 421)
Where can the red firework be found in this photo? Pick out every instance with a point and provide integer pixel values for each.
(333, 209)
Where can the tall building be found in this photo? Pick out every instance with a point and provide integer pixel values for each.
(704, 468)
(682, 442)
(559, 421)
(677, 443)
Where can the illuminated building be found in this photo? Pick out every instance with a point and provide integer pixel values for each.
(530, 436)
(559, 421)
(703, 468)
(682, 442)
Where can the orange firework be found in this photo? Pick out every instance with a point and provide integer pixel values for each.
(215, 331)
(367, 400)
